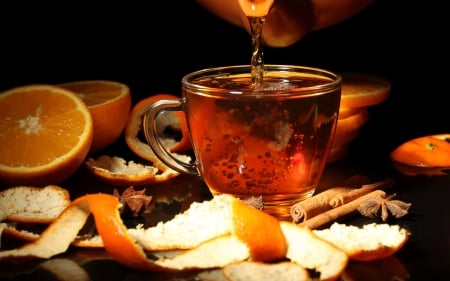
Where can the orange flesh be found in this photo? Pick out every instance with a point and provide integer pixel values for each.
(95, 93)
(31, 130)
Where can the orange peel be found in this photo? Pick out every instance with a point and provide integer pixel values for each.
(56, 238)
(116, 240)
(119, 172)
(426, 151)
(385, 240)
(174, 121)
(288, 240)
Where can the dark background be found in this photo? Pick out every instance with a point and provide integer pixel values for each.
(151, 46)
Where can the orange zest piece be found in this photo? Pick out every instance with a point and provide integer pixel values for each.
(46, 133)
(116, 240)
(119, 172)
(172, 121)
(173, 133)
(256, 228)
(426, 151)
(56, 238)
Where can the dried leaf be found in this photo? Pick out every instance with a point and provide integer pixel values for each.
(134, 201)
(256, 202)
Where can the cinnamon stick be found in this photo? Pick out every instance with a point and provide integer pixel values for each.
(320, 203)
(343, 198)
(334, 214)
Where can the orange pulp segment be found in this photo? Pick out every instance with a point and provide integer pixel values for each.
(45, 135)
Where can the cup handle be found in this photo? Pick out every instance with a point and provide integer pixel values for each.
(151, 135)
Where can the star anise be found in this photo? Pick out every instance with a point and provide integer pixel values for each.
(133, 201)
(384, 207)
(256, 202)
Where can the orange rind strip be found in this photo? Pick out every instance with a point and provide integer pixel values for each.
(173, 120)
(57, 238)
(117, 242)
(251, 237)
(426, 151)
(30, 204)
(245, 235)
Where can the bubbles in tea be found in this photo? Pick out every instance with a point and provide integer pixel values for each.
(266, 147)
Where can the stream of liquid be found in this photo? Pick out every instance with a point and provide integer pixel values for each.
(257, 59)
(269, 146)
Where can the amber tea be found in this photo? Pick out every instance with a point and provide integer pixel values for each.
(270, 142)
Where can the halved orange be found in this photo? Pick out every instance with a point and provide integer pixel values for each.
(172, 126)
(345, 112)
(347, 138)
(109, 103)
(363, 89)
(45, 134)
(337, 153)
(347, 130)
(359, 91)
(351, 123)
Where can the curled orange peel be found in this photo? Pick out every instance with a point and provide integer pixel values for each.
(123, 248)
(57, 238)
(431, 151)
(116, 240)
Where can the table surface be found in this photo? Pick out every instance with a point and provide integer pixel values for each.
(426, 255)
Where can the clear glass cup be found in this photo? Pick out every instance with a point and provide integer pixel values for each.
(268, 141)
